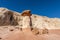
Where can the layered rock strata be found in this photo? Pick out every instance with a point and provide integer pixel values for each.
(25, 22)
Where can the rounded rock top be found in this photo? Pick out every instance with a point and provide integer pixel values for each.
(26, 13)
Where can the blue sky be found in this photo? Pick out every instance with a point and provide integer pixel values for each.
(50, 8)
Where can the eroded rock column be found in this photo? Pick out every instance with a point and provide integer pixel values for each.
(26, 20)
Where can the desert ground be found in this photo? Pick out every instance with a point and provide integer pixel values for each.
(26, 34)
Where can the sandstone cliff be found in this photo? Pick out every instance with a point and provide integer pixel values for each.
(8, 17)
(26, 22)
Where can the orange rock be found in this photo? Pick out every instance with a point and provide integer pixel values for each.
(26, 13)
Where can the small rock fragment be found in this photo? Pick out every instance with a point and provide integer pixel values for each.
(45, 31)
(11, 30)
(35, 31)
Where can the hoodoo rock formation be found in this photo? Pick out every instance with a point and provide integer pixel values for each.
(26, 19)
(27, 26)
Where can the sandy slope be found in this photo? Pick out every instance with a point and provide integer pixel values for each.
(17, 34)
(28, 35)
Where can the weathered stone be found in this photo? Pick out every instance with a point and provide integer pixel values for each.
(26, 13)
(7, 19)
(35, 31)
(45, 31)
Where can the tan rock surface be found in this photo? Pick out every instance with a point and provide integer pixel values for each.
(27, 26)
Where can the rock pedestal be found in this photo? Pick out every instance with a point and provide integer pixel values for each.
(26, 20)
